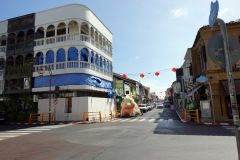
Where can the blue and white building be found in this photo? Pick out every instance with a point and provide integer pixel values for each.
(73, 48)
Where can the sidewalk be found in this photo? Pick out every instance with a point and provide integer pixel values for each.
(178, 111)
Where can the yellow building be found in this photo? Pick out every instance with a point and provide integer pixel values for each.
(202, 65)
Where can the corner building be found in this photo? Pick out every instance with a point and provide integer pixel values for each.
(72, 50)
(75, 47)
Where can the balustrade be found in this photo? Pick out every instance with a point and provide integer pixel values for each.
(72, 37)
(74, 64)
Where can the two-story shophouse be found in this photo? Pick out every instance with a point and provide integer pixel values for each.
(215, 89)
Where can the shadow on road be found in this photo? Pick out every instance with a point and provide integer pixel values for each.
(169, 123)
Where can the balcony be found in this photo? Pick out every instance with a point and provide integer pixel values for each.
(72, 37)
(64, 67)
(3, 48)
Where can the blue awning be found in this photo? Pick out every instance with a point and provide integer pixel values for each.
(194, 90)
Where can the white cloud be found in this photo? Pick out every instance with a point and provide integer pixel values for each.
(179, 12)
(222, 12)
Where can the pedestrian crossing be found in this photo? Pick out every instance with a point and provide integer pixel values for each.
(26, 131)
(142, 120)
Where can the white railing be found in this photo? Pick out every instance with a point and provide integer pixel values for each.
(61, 38)
(39, 42)
(3, 49)
(50, 40)
(72, 37)
(74, 64)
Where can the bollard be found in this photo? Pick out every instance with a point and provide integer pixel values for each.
(42, 118)
(197, 115)
(30, 118)
(100, 117)
(83, 117)
(52, 118)
(185, 115)
(111, 115)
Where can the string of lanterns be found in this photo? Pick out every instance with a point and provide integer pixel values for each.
(143, 74)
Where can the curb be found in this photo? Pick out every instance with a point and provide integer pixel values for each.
(202, 123)
(56, 123)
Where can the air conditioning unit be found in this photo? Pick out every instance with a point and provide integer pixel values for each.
(35, 98)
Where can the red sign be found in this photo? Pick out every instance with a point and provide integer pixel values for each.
(55, 101)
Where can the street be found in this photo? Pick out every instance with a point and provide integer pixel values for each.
(158, 134)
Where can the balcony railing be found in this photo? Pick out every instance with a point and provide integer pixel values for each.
(74, 64)
(3, 48)
(72, 37)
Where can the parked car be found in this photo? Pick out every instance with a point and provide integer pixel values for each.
(159, 105)
(143, 108)
(167, 104)
(149, 107)
(4, 116)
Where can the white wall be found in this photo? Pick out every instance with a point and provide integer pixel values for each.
(3, 26)
(79, 105)
(72, 11)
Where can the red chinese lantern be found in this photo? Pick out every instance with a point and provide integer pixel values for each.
(141, 75)
(157, 74)
(124, 75)
(174, 69)
(153, 92)
(161, 92)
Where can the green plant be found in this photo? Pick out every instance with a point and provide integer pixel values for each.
(24, 116)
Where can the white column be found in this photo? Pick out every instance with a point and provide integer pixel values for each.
(55, 35)
(66, 32)
(45, 36)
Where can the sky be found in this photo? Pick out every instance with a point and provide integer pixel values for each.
(148, 35)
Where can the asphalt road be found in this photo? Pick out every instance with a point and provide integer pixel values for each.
(157, 135)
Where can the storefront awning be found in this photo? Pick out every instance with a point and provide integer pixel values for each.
(237, 86)
(194, 90)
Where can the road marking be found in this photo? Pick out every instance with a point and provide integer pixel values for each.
(125, 120)
(13, 133)
(142, 120)
(8, 136)
(116, 120)
(151, 120)
(26, 131)
(34, 129)
(133, 120)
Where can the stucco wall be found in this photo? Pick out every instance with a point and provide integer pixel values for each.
(79, 105)
(3, 26)
(72, 11)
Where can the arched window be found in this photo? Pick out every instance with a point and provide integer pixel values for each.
(20, 37)
(40, 33)
(19, 60)
(11, 38)
(72, 54)
(49, 57)
(110, 66)
(39, 58)
(30, 35)
(10, 61)
(61, 29)
(84, 55)
(2, 62)
(92, 57)
(104, 64)
(96, 60)
(84, 28)
(107, 66)
(61, 57)
(50, 31)
(3, 40)
(29, 59)
(73, 27)
(101, 62)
